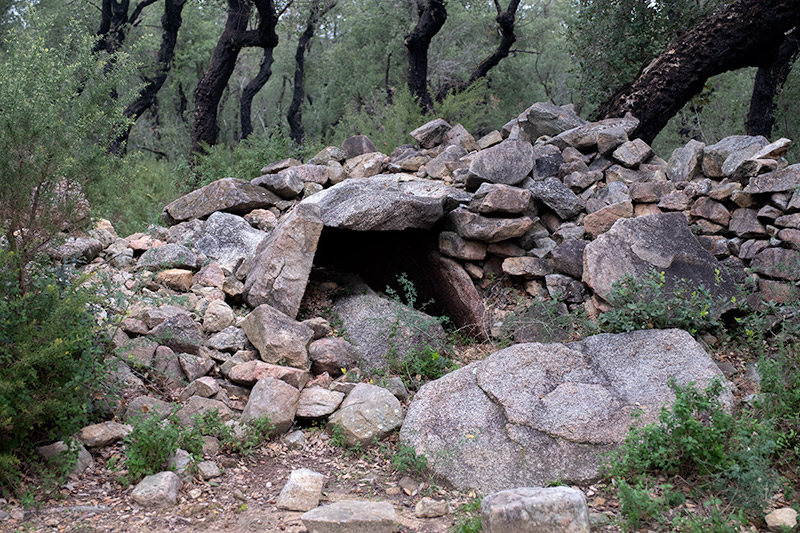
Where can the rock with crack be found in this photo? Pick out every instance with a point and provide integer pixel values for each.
(537, 412)
(228, 239)
(661, 242)
(388, 202)
(279, 271)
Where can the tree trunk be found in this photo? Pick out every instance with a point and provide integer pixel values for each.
(769, 80)
(505, 21)
(746, 33)
(234, 37)
(432, 16)
(251, 89)
(170, 24)
(295, 113)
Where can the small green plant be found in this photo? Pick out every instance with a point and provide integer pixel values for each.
(256, 432)
(423, 357)
(153, 441)
(337, 437)
(648, 303)
(544, 321)
(408, 461)
(468, 517)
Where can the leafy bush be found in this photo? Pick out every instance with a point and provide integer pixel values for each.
(243, 162)
(697, 441)
(408, 461)
(256, 432)
(57, 121)
(153, 441)
(647, 303)
(50, 363)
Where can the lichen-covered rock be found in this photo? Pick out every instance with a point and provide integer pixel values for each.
(536, 510)
(368, 413)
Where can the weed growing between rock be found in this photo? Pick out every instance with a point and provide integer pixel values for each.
(646, 303)
(468, 517)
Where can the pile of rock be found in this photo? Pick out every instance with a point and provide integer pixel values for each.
(563, 206)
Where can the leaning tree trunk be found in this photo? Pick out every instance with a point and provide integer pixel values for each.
(234, 37)
(769, 80)
(251, 90)
(295, 113)
(505, 21)
(746, 33)
(170, 24)
(432, 16)
(209, 89)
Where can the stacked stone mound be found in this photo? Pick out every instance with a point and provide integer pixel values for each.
(563, 206)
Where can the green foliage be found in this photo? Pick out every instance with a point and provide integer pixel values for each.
(255, 433)
(407, 461)
(694, 440)
(243, 162)
(153, 441)
(145, 186)
(424, 360)
(612, 41)
(50, 363)
(540, 320)
(468, 517)
(57, 120)
(643, 303)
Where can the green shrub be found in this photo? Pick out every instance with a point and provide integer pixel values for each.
(243, 162)
(57, 121)
(424, 361)
(153, 441)
(50, 363)
(695, 441)
(647, 303)
(407, 461)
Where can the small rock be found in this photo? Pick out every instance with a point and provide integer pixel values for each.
(295, 440)
(158, 490)
(208, 469)
(103, 434)
(779, 519)
(302, 492)
(430, 508)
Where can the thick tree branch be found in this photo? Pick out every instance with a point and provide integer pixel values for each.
(432, 16)
(746, 33)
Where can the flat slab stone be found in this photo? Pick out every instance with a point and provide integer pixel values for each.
(351, 517)
(228, 194)
(388, 202)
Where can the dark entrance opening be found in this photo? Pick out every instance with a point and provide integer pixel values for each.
(379, 257)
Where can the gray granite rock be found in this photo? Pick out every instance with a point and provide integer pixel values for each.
(535, 510)
(279, 271)
(351, 516)
(228, 194)
(158, 490)
(537, 412)
(228, 239)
